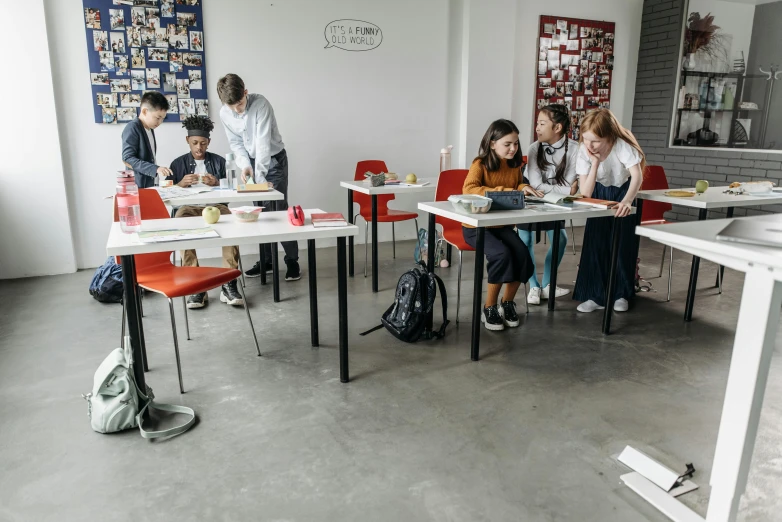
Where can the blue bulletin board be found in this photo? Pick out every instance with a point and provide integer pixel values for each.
(135, 46)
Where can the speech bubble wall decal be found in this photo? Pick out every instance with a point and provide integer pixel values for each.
(352, 35)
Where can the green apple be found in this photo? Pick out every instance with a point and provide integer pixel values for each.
(701, 185)
(211, 215)
(411, 178)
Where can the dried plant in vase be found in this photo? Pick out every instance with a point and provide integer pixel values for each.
(702, 36)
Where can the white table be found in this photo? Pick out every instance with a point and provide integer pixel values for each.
(374, 192)
(713, 198)
(513, 217)
(232, 196)
(752, 348)
(271, 227)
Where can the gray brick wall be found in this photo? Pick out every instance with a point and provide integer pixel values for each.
(655, 93)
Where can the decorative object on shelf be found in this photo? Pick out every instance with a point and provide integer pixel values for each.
(139, 45)
(730, 98)
(748, 106)
(741, 131)
(688, 62)
(691, 101)
(703, 137)
(575, 65)
(702, 36)
(738, 64)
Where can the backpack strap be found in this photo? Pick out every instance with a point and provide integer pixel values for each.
(373, 329)
(171, 408)
(444, 300)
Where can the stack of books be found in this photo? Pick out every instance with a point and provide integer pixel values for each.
(332, 219)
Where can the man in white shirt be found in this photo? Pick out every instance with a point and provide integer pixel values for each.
(254, 138)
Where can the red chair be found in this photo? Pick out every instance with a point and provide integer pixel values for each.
(156, 273)
(653, 212)
(384, 214)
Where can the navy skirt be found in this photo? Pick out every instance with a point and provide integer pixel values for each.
(596, 253)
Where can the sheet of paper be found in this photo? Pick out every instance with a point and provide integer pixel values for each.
(162, 236)
(181, 192)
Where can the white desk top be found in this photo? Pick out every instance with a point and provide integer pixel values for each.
(714, 197)
(366, 188)
(271, 227)
(225, 196)
(510, 217)
(699, 238)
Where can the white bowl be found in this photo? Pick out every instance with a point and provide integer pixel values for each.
(470, 203)
(246, 215)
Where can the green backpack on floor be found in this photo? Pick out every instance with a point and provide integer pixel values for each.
(113, 404)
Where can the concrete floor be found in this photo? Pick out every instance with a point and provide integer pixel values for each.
(421, 433)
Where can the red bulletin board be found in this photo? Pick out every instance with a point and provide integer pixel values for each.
(575, 66)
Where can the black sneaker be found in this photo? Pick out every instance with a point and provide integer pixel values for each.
(508, 314)
(197, 300)
(492, 319)
(294, 272)
(230, 294)
(255, 271)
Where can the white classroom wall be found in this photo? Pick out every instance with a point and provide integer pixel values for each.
(35, 238)
(445, 70)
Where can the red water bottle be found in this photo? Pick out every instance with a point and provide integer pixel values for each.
(128, 202)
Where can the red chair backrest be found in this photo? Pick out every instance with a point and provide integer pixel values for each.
(364, 201)
(152, 207)
(654, 179)
(449, 183)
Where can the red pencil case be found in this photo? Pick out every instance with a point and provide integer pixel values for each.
(296, 215)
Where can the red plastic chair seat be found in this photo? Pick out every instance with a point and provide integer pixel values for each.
(178, 281)
(389, 216)
(456, 238)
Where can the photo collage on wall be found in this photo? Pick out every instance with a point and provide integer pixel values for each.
(141, 45)
(575, 66)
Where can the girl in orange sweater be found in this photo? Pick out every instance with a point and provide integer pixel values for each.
(498, 168)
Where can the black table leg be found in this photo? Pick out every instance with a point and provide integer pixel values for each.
(275, 267)
(721, 274)
(351, 239)
(142, 340)
(313, 279)
(448, 254)
(430, 255)
(374, 243)
(342, 288)
(552, 289)
(696, 263)
(611, 284)
(134, 318)
(477, 295)
(639, 207)
(263, 265)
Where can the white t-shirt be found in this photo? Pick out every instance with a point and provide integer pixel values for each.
(200, 167)
(546, 181)
(614, 170)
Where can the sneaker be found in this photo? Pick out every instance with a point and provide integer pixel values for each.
(492, 319)
(508, 314)
(255, 271)
(589, 306)
(621, 305)
(559, 293)
(230, 294)
(294, 272)
(197, 300)
(534, 295)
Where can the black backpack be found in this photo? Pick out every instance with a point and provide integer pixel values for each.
(413, 300)
(106, 284)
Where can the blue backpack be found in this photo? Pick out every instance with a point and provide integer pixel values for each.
(106, 284)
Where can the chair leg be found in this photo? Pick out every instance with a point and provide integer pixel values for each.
(176, 345)
(241, 269)
(670, 274)
(250, 319)
(662, 261)
(366, 246)
(140, 301)
(719, 277)
(573, 234)
(459, 288)
(526, 293)
(124, 320)
(187, 323)
(393, 241)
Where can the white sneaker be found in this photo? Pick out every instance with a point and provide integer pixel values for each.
(589, 306)
(534, 295)
(621, 305)
(559, 293)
